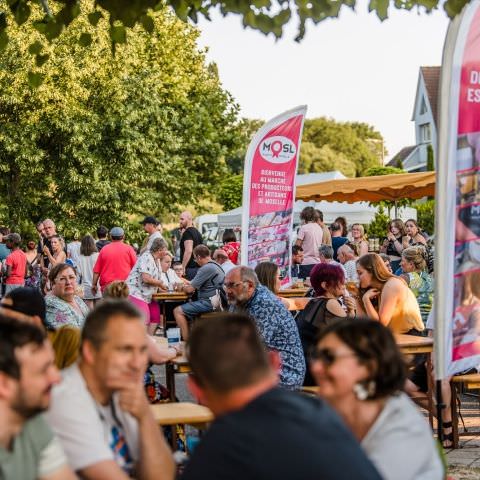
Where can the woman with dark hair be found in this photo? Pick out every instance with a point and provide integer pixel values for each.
(395, 242)
(328, 282)
(417, 238)
(86, 261)
(230, 245)
(63, 306)
(342, 221)
(386, 297)
(309, 237)
(360, 372)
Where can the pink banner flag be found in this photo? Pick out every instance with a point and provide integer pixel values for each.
(269, 191)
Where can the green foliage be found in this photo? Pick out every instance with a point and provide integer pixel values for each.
(378, 226)
(102, 138)
(267, 16)
(230, 192)
(330, 145)
(374, 171)
(246, 129)
(426, 215)
(430, 159)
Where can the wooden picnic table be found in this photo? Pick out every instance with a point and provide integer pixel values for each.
(413, 345)
(297, 303)
(165, 297)
(182, 412)
(293, 292)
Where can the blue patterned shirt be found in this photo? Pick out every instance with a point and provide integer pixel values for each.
(279, 332)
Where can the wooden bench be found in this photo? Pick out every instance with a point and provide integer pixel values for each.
(470, 381)
(176, 413)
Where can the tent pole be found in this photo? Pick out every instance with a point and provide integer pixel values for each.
(396, 212)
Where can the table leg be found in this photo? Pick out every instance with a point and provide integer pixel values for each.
(170, 378)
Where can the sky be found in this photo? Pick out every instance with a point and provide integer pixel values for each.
(354, 68)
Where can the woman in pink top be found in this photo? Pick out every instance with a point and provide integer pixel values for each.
(310, 238)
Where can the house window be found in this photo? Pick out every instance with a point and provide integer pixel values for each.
(425, 133)
(423, 107)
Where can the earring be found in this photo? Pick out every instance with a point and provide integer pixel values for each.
(364, 390)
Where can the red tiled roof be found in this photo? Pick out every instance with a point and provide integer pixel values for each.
(431, 77)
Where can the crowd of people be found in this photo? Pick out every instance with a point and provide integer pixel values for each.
(88, 309)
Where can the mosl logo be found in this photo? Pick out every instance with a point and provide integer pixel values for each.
(277, 149)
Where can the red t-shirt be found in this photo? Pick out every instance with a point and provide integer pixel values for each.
(232, 249)
(114, 262)
(18, 263)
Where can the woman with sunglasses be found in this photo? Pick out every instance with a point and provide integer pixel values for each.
(360, 372)
(386, 297)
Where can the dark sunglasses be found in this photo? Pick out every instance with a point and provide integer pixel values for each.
(327, 357)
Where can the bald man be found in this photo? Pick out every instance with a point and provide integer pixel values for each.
(191, 237)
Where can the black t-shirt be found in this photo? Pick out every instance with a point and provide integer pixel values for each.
(281, 435)
(101, 243)
(191, 233)
(40, 245)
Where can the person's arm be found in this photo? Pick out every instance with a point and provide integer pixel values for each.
(368, 307)
(363, 250)
(60, 259)
(8, 270)
(159, 354)
(94, 286)
(149, 280)
(156, 461)
(390, 295)
(405, 242)
(187, 254)
(335, 308)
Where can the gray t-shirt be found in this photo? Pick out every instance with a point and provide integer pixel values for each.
(35, 452)
(400, 443)
(208, 279)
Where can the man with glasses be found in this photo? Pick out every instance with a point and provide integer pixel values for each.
(275, 323)
(261, 431)
(208, 279)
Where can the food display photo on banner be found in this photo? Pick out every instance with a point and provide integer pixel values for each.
(462, 168)
(269, 192)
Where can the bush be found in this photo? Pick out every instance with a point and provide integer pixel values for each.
(426, 216)
(378, 226)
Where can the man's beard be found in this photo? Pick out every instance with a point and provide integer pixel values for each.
(21, 406)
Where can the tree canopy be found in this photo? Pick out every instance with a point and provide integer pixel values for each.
(329, 145)
(267, 16)
(106, 137)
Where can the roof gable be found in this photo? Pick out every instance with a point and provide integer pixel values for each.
(431, 78)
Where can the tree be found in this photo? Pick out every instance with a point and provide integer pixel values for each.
(323, 159)
(426, 216)
(106, 137)
(353, 153)
(430, 159)
(230, 192)
(267, 16)
(378, 226)
(375, 171)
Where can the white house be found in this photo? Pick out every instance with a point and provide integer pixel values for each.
(425, 116)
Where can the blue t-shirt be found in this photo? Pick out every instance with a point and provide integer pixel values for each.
(337, 242)
(279, 332)
(4, 252)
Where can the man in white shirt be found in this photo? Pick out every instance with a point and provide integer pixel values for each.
(150, 225)
(100, 411)
(348, 258)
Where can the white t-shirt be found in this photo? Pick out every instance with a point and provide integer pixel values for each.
(400, 443)
(91, 433)
(85, 268)
(145, 264)
(170, 278)
(151, 238)
(227, 266)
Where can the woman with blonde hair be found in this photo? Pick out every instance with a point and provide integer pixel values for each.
(117, 289)
(359, 239)
(386, 297)
(414, 267)
(66, 344)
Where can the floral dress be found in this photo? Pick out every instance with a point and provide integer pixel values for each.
(60, 313)
(421, 285)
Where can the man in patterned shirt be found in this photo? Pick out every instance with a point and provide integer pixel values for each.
(274, 322)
